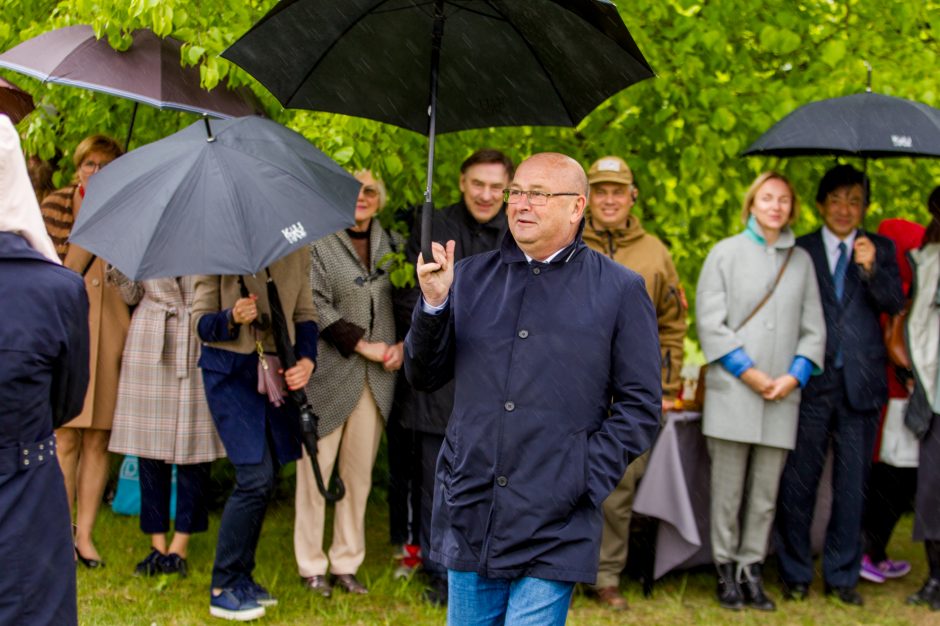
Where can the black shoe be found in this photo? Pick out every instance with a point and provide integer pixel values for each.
(928, 595)
(150, 565)
(729, 592)
(89, 563)
(436, 593)
(173, 563)
(795, 591)
(847, 595)
(752, 588)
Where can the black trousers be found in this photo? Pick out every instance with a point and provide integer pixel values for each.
(192, 482)
(890, 494)
(404, 483)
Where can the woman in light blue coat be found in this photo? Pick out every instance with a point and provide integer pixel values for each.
(761, 326)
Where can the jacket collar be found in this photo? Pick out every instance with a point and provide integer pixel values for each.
(510, 252)
(13, 246)
(784, 240)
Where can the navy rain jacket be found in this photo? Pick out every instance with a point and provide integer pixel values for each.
(557, 371)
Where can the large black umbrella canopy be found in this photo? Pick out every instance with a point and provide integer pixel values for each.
(148, 72)
(868, 125)
(443, 65)
(14, 102)
(227, 199)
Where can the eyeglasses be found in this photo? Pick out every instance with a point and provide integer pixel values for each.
(370, 192)
(535, 198)
(89, 166)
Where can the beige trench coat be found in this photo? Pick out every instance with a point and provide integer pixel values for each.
(737, 273)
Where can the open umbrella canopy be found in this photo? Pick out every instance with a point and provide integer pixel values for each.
(443, 65)
(868, 125)
(14, 102)
(230, 199)
(148, 72)
(501, 62)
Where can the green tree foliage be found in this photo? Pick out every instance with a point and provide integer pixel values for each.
(726, 71)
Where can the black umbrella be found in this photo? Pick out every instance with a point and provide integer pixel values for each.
(868, 125)
(149, 71)
(227, 200)
(308, 419)
(443, 65)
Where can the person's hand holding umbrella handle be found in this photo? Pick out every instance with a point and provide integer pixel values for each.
(864, 253)
(435, 278)
(296, 377)
(245, 310)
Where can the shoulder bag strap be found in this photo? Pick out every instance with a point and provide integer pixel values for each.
(760, 304)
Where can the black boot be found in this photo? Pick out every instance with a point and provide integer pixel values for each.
(729, 593)
(752, 588)
(928, 595)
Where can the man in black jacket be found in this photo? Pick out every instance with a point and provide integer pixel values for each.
(477, 224)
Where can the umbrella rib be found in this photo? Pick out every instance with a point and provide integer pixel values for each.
(326, 52)
(538, 60)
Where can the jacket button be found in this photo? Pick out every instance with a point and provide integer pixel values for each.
(95, 282)
(770, 325)
(502, 481)
(510, 406)
(523, 333)
(536, 271)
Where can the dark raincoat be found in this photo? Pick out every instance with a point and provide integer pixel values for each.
(43, 377)
(557, 371)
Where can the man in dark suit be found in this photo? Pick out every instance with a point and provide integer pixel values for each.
(858, 280)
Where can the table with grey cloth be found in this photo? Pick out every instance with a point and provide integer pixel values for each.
(675, 491)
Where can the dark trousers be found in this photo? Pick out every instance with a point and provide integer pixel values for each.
(242, 517)
(192, 481)
(430, 448)
(825, 418)
(404, 483)
(890, 494)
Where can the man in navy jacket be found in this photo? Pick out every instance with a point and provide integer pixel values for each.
(554, 351)
(858, 280)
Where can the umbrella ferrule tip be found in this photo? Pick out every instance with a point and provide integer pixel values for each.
(210, 139)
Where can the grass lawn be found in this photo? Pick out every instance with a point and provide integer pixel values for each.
(114, 596)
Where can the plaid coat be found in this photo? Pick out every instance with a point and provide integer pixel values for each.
(161, 408)
(344, 289)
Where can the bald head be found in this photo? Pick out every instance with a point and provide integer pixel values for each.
(542, 230)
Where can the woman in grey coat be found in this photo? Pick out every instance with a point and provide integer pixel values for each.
(351, 389)
(759, 361)
(923, 415)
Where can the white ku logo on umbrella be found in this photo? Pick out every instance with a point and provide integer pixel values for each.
(294, 233)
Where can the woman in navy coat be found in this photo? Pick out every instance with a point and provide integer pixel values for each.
(43, 378)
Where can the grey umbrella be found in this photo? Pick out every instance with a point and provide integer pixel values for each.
(443, 65)
(149, 71)
(226, 199)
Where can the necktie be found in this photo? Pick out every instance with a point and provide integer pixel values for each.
(838, 279)
(838, 274)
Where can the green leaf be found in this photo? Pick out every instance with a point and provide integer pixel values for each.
(393, 164)
(194, 53)
(343, 155)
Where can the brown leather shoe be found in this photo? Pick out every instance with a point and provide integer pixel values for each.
(349, 584)
(318, 585)
(611, 598)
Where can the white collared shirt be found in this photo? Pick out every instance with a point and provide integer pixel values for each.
(831, 242)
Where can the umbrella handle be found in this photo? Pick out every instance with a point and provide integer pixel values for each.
(426, 214)
(308, 427)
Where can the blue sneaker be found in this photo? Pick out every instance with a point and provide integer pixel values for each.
(261, 595)
(235, 605)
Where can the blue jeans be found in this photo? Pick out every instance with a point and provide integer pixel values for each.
(477, 601)
(242, 517)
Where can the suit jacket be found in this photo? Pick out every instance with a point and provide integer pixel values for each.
(853, 324)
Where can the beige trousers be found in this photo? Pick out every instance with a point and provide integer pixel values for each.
(356, 442)
(615, 537)
(742, 471)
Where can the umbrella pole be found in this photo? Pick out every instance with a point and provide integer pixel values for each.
(428, 207)
(130, 129)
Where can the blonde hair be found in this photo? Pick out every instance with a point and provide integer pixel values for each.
(379, 184)
(94, 143)
(756, 185)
